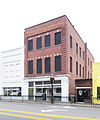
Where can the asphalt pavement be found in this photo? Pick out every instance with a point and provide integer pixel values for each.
(34, 111)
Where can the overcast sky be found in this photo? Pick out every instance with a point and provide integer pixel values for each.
(16, 15)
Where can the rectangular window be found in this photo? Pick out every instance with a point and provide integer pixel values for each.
(88, 61)
(98, 93)
(83, 55)
(30, 45)
(31, 84)
(57, 38)
(83, 72)
(58, 90)
(47, 65)
(70, 41)
(39, 65)
(30, 67)
(71, 64)
(39, 43)
(91, 64)
(47, 40)
(80, 70)
(76, 49)
(57, 63)
(80, 51)
(88, 74)
(76, 68)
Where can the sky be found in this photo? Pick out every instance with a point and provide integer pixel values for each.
(16, 15)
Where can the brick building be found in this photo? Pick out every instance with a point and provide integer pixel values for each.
(55, 47)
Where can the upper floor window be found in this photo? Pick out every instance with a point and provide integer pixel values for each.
(57, 38)
(88, 75)
(80, 51)
(47, 65)
(30, 45)
(83, 72)
(80, 70)
(76, 68)
(57, 63)
(83, 55)
(91, 64)
(30, 67)
(88, 61)
(76, 49)
(71, 64)
(39, 43)
(39, 65)
(47, 40)
(70, 41)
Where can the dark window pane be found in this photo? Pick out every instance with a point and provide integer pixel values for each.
(39, 43)
(83, 55)
(47, 82)
(38, 83)
(30, 84)
(30, 45)
(57, 38)
(47, 65)
(30, 67)
(80, 51)
(76, 68)
(70, 41)
(39, 65)
(58, 90)
(80, 70)
(47, 41)
(98, 93)
(57, 82)
(76, 48)
(83, 72)
(88, 61)
(57, 63)
(70, 64)
(88, 74)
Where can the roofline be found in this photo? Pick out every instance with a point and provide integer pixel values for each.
(58, 18)
(12, 49)
(55, 19)
(90, 53)
(45, 22)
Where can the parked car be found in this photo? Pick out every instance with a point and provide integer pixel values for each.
(15, 93)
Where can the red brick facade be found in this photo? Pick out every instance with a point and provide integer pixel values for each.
(63, 25)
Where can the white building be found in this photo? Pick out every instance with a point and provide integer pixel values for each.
(39, 86)
(12, 72)
(12, 81)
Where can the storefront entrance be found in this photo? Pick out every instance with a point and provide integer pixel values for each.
(83, 94)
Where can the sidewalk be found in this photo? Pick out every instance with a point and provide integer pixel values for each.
(78, 104)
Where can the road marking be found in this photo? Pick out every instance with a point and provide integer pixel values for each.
(69, 107)
(50, 115)
(53, 110)
(23, 116)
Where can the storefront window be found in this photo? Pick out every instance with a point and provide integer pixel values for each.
(39, 90)
(12, 91)
(98, 93)
(58, 90)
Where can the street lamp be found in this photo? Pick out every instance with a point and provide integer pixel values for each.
(52, 81)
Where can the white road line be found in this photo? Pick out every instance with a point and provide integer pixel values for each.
(53, 110)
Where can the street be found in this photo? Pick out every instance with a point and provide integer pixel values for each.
(33, 111)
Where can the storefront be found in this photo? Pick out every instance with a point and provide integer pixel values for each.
(96, 83)
(15, 91)
(40, 88)
(83, 90)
